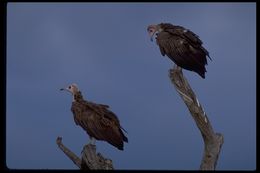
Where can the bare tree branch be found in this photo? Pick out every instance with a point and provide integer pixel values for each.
(69, 153)
(90, 160)
(212, 141)
(93, 160)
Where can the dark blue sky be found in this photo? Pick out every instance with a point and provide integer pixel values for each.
(106, 50)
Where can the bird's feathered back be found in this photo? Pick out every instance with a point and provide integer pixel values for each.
(183, 47)
(98, 121)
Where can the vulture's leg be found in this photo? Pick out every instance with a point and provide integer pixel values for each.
(177, 67)
(92, 141)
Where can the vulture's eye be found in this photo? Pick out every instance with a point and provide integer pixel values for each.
(69, 87)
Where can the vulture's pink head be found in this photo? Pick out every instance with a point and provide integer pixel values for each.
(152, 29)
(73, 89)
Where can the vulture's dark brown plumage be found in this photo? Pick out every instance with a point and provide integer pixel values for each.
(181, 45)
(97, 120)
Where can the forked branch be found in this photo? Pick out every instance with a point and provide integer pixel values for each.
(212, 141)
(90, 159)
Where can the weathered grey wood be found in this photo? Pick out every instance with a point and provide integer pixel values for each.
(90, 159)
(69, 153)
(93, 160)
(212, 141)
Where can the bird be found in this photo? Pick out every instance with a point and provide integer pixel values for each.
(181, 45)
(96, 119)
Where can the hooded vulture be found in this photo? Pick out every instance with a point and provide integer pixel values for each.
(181, 45)
(96, 119)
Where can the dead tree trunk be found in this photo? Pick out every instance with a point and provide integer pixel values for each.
(212, 141)
(90, 159)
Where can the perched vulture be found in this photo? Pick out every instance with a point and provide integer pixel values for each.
(181, 45)
(96, 119)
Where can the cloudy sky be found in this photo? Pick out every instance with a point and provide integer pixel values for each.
(105, 49)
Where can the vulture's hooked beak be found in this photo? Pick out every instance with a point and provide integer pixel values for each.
(64, 89)
(153, 35)
(156, 33)
(152, 29)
